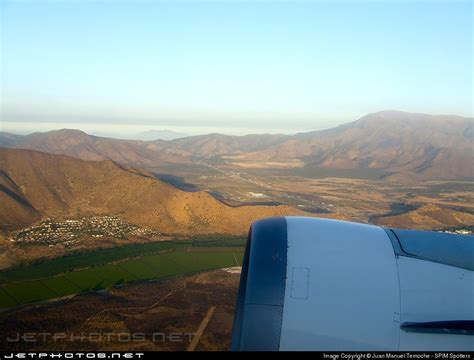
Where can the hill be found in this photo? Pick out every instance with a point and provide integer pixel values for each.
(401, 145)
(428, 217)
(9, 140)
(219, 144)
(36, 184)
(419, 146)
(83, 146)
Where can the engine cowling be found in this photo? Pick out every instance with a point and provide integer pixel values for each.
(321, 284)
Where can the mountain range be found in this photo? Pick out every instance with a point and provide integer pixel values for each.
(401, 145)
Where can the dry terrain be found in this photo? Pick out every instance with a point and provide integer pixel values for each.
(44, 185)
(213, 198)
(389, 168)
(429, 217)
(123, 319)
(65, 191)
(361, 198)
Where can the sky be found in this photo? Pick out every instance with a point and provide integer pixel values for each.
(121, 67)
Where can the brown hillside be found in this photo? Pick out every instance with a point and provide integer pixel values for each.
(403, 144)
(219, 144)
(83, 146)
(15, 210)
(428, 217)
(61, 186)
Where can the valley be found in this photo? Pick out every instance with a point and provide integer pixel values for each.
(141, 143)
(88, 224)
(65, 190)
(355, 196)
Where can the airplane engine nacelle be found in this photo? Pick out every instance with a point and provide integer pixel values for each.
(320, 284)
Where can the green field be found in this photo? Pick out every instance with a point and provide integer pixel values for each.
(102, 269)
(77, 260)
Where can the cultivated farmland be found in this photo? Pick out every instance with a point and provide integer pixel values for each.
(103, 269)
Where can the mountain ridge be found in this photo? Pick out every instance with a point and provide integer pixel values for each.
(59, 186)
(415, 145)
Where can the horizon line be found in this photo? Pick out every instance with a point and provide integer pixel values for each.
(182, 129)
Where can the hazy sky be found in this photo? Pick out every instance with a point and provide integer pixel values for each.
(230, 66)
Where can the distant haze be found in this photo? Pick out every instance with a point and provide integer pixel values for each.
(136, 131)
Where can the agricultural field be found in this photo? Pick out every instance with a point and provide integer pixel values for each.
(106, 320)
(102, 269)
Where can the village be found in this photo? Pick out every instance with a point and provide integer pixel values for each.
(70, 231)
(459, 231)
